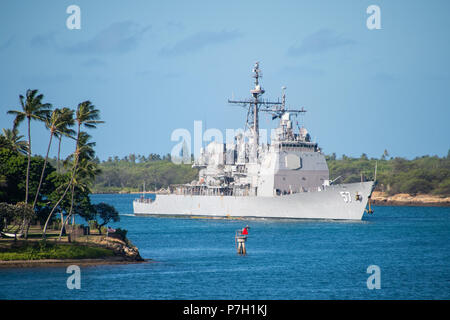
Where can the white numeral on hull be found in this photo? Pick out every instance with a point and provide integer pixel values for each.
(346, 196)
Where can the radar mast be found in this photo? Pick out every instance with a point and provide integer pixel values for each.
(254, 104)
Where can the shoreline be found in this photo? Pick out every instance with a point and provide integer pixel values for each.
(403, 199)
(67, 262)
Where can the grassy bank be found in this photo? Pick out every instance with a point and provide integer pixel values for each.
(91, 249)
(37, 250)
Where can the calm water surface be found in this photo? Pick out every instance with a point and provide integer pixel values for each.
(196, 259)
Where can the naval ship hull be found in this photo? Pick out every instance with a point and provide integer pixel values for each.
(338, 202)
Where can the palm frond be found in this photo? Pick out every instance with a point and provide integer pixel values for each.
(15, 140)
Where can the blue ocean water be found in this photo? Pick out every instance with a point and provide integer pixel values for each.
(196, 259)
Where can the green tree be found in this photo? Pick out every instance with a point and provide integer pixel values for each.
(15, 140)
(416, 185)
(106, 213)
(32, 108)
(13, 167)
(11, 215)
(444, 187)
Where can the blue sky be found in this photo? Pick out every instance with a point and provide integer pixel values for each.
(155, 66)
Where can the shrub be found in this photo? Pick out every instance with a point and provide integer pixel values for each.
(416, 185)
(443, 188)
(122, 234)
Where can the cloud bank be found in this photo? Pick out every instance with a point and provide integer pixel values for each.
(318, 42)
(198, 41)
(119, 37)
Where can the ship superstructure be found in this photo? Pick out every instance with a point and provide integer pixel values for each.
(290, 164)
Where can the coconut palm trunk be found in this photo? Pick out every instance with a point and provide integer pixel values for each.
(53, 210)
(43, 169)
(29, 161)
(58, 170)
(62, 197)
(59, 153)
(62, 219)
(63, 225)
(74, 169)
(26, 222)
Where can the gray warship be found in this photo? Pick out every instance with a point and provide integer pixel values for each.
(288, 178)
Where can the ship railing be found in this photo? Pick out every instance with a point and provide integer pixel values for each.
(144, 200)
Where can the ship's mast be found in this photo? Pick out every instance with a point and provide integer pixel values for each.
(254, 105)
(256, 92)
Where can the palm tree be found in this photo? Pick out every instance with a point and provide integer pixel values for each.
(85, 153)
(87, 116)
(15, 140)
(32, 109)
(57, 122)
(85, 148)
(66, 131)
(84, 179)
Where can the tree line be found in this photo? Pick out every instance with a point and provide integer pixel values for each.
(131, 172)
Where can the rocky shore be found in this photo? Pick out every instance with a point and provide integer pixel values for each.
(402, 199)
(121, 248)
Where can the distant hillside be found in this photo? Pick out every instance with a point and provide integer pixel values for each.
(423, 175)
